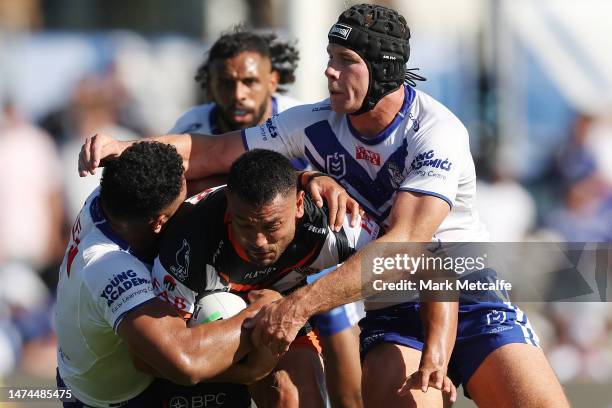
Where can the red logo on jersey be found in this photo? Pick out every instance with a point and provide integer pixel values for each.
(364, 154)
(74, 246)
(169, 283)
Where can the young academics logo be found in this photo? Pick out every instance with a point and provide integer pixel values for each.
(340, 31)
(427, 159)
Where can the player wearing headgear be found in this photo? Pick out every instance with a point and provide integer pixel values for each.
(406, 159)
(259, 232)
(107, 312)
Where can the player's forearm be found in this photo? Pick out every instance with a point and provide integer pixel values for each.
(439, 321)
(326, 294)
(209, 349)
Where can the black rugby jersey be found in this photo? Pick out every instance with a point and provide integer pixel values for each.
(198, 255)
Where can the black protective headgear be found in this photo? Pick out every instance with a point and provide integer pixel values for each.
(380, 36)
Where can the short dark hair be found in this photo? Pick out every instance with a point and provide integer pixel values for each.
(145, 179)
(258, 176)
(283, 55)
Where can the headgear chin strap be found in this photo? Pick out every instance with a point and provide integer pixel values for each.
(380, 36)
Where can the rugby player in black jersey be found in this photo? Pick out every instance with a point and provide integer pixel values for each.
(260, 231)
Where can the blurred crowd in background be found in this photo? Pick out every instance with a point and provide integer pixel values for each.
(532, 81)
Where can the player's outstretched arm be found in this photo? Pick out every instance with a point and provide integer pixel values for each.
(186, 355)
(202, 156)
(414, 218)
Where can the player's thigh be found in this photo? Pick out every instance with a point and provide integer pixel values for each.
(297, 381)
(385, 368)
(516, 375)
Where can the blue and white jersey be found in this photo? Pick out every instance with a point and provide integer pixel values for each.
(100, 281)
(201, 118)
(424, 150)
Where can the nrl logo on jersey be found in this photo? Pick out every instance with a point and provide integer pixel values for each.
(181, 269)
(336, 165)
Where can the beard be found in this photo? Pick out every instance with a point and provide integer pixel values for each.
(258, 117)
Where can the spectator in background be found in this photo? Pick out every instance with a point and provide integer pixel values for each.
(31, 213)
(94, 104)
(586, 210)
(31, 240)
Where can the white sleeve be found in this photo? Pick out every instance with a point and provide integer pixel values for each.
(118, 283)
(283, 133)
(340, 245)
(172, 290)
(437, 162)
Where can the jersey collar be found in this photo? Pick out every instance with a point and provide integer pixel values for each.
(100, 221)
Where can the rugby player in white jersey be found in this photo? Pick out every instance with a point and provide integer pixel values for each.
(406, 159)
(245, 76)
(107, 313)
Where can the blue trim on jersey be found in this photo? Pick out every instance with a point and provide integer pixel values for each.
(122, 315)
(430, 193)
(95, 210)
(409, 95)
(274, 106)
(377, 191)
(244, 140)
(312, 160)
(214, 129)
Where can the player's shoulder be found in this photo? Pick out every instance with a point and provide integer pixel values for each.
(197, 220)
(284, 102)
(195, 119)
(106, 262)
(309, 112)
(433, 115)
(315, 218)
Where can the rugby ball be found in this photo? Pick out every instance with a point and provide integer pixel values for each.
(216, 306)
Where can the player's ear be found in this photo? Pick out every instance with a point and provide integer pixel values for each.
(158, 222)
(299, 202)
(273, 82)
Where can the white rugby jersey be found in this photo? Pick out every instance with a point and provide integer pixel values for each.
(100, 281)
(201, 118)
(424, 150)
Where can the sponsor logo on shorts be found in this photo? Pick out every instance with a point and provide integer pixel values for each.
(496, 317)
(198, 401)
